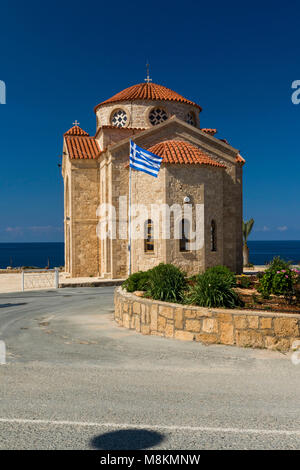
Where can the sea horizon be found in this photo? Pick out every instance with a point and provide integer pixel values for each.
(44, 254)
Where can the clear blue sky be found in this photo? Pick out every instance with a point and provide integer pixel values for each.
(60, 59)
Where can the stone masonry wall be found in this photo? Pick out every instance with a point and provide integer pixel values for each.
(244, 328)
(84, 246)
(138, 112)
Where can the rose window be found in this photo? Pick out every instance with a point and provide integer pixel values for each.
(119, 118)
(157, 115)
(190, 119)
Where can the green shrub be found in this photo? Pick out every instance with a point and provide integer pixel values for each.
(244, 282)
(137, 281)
(224, 272)
(213, 290)
(166, 282)
(279, 279)
(277, 264)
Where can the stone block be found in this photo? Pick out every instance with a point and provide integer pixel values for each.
(132, 322)
(192, 325)
(136, 307)
(167, 312)
(265, 323)
(226, 333)
(145, 329)
(249, 338)
(169, 330)
(184, 335)
(179, 318)
(253, 321)
(190, 313)
(137, 324)
(161, 323)
(240, 321)
(126, 320)
(153, 317)
(224, 317)
(207, 338)
(210, 325)
(286, 327)
(277, 344)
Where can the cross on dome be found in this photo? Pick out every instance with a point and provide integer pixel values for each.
(76, 123)
(148, 79)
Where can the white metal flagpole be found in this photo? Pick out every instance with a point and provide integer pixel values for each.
(129, 228)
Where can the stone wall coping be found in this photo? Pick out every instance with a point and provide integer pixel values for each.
(244, 328)
(135, 298)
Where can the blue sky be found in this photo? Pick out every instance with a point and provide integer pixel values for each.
(60, 59)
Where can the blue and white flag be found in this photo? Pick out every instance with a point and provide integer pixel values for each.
(145, 161)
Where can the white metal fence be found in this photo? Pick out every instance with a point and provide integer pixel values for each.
(40, 278)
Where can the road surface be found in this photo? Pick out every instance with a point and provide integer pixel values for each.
(76, 380)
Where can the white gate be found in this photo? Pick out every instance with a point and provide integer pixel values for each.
(40, 278)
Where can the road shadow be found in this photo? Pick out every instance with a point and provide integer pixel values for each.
(127, 439)
(12, 305)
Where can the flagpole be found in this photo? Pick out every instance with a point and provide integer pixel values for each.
(129, 228)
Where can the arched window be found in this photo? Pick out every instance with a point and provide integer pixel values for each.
(184, 240)
(119, 118)
(213, 236)
(190, 118)
(149, 241)
(157, 116)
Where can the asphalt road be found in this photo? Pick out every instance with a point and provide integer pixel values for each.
(76, 380)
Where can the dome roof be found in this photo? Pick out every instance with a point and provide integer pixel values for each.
(178, 151)
(147, 91)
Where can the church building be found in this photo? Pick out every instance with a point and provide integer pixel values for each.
(197, 168)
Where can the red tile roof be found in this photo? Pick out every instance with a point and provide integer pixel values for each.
(240, 159)
(82, 147)
(76, 130)
(209, 131)
(147, 91)
(177, 151)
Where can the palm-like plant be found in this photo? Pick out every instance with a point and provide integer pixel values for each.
(247, 227)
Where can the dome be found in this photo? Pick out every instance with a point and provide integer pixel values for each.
(178, 151)
(147, 91)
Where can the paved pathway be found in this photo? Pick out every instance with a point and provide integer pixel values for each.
(74, 379)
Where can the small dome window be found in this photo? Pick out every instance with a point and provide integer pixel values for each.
(157, 116)
(119, 118)
(191, 119)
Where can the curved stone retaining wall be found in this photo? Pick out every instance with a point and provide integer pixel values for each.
(220, 326)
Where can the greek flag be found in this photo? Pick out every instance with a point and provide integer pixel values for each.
(145, 161)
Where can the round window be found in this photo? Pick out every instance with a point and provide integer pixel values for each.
(157, 115)
(190, 118)
(119, 118)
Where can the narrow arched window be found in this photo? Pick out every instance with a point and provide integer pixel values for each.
(213, 236)
(184, 240)
(149, 240)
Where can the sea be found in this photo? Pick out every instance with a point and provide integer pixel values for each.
(41, 255)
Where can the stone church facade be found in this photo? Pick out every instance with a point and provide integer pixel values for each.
(197, 167)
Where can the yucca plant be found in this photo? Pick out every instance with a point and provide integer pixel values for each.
(137, 281)
(166, 282)
(213, 290)
(247, 227)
